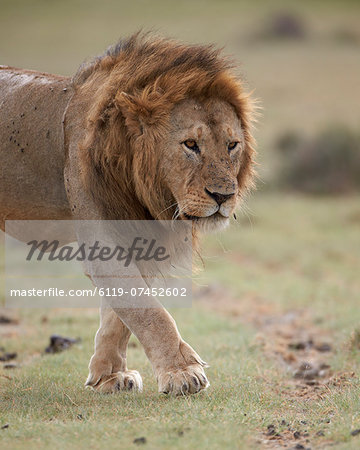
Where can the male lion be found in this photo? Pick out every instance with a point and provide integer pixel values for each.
(153, 129)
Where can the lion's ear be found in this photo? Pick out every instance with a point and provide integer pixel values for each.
(124, 99)
(130, 110)
(141, 112)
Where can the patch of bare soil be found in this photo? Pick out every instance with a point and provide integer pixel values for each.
(300, 346)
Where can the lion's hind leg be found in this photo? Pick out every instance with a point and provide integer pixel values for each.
(107, 369)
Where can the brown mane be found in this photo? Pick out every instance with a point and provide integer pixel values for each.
(133, 88)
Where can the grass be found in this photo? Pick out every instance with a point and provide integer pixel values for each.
(43, 400)
(294, 253)
(309, 262)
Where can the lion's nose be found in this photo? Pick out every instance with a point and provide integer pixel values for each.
(218, 197)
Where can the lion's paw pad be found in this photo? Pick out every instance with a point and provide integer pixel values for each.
(190, 380)
(129, 380)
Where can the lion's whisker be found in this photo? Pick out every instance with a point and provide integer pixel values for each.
(173, 204)
(247, 212)
(181, 209)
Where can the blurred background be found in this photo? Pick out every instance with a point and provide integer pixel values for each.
(292, 258)
(302, 59)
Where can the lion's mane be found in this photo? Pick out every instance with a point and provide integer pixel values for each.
(131, 91)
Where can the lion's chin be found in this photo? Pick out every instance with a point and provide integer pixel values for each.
(215, 222)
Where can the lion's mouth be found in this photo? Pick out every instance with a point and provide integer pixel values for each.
(189, 217)
(216, 215)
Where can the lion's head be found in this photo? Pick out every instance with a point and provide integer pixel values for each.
(168, 133)
(201, 155)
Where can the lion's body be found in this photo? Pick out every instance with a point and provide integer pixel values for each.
(116, 142)
(32, 155)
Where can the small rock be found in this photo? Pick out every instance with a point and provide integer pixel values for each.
(60, 343)
(301, 345)
(312, 383)
(297, 345)
(4, 320)
(306, 372)
(305, 366)
(271, 430)
(297, 435)
(8, 356)
(10, 366)
(323, 347)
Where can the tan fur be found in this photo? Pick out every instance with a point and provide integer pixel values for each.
(109, 144)
(133, 91)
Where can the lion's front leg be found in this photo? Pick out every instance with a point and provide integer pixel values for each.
(178, 368)
(107, 368)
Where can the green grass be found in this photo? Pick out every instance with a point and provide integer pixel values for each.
(293, 253)
(298, 253)
(43, 400)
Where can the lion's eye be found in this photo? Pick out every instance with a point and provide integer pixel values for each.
(232, 145)
(191, 145)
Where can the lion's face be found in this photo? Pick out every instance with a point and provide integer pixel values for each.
(201, 157)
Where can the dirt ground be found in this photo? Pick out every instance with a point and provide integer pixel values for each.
(302, 349)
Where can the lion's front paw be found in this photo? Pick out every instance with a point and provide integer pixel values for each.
(189, 380)
(129, 380)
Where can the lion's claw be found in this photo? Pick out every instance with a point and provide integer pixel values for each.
(129, 380)
(189, 380)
